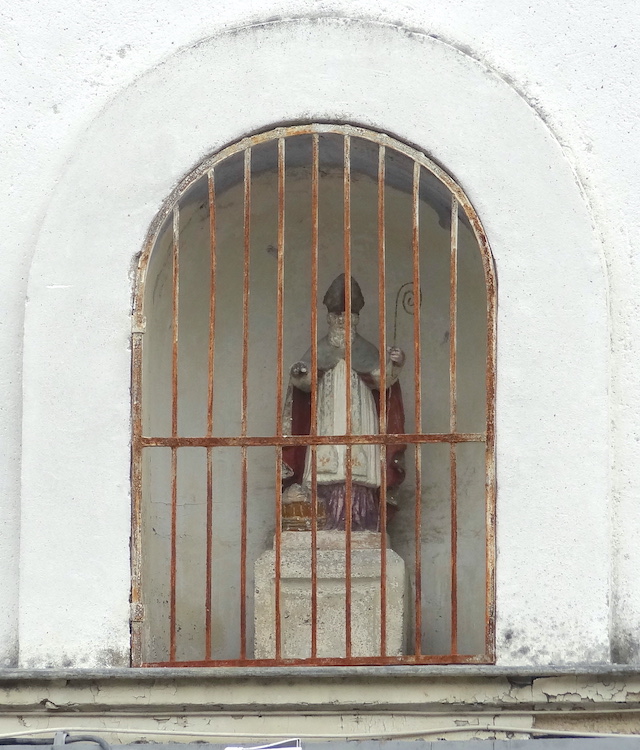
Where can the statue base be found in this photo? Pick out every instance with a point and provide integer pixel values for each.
(296, 592)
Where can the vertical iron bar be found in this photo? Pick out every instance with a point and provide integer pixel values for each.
(453, 418)
(243, 401)
(174, 427)
(490, 459)
(490, 526)
(347, 310)
(382, 342)
(212, 326)
(136, 498)
(279, 377)
(315, 173)
(417, 373)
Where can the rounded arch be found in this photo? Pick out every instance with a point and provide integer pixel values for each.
(78, 324)
(285, 131)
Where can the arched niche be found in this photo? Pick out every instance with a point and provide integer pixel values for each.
(552, 472)
(215, 247)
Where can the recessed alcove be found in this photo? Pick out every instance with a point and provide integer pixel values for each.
(193, 372)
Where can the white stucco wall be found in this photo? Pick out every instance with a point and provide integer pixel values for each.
(98, 133)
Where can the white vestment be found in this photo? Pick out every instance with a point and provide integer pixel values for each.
(332, 420)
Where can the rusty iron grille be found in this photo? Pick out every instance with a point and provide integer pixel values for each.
(180, 568)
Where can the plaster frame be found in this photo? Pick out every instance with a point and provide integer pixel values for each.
(553, 347)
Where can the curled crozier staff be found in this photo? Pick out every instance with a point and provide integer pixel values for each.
(332, 374)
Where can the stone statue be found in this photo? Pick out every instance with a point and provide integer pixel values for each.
(331, 469)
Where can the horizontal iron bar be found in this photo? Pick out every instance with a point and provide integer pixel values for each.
(332, 661)
(283, 440)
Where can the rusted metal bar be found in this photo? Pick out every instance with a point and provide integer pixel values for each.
(284, 440)
(382, 343)
(136, 499)
(245, 288)
(279, 401)
(331, 661)
(347, 336)
(315, 176)
(209, 553)
(280, 284)
(490, 458)
(212, 327)
(175, 289)
(212, 297)
(453, 418)
(277, 563)
(417, 376)
(208, 575)
(243, 401)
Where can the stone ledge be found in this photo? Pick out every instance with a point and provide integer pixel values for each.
(321, 702)
(382, 673)
(313, 690)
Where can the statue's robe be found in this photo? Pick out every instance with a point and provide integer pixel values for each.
(331, 412)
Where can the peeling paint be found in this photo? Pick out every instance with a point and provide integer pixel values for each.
(147, 700)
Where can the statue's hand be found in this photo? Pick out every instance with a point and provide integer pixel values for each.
(396, 355)
(299, 370)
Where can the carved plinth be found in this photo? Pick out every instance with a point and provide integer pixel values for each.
(296, 596)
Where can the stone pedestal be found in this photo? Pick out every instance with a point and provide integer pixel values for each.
(295, 597)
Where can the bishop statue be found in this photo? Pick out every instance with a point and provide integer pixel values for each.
(331, 459)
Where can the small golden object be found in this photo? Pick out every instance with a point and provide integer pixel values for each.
(298, 516)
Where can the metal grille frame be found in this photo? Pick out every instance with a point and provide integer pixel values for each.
(171, 210)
